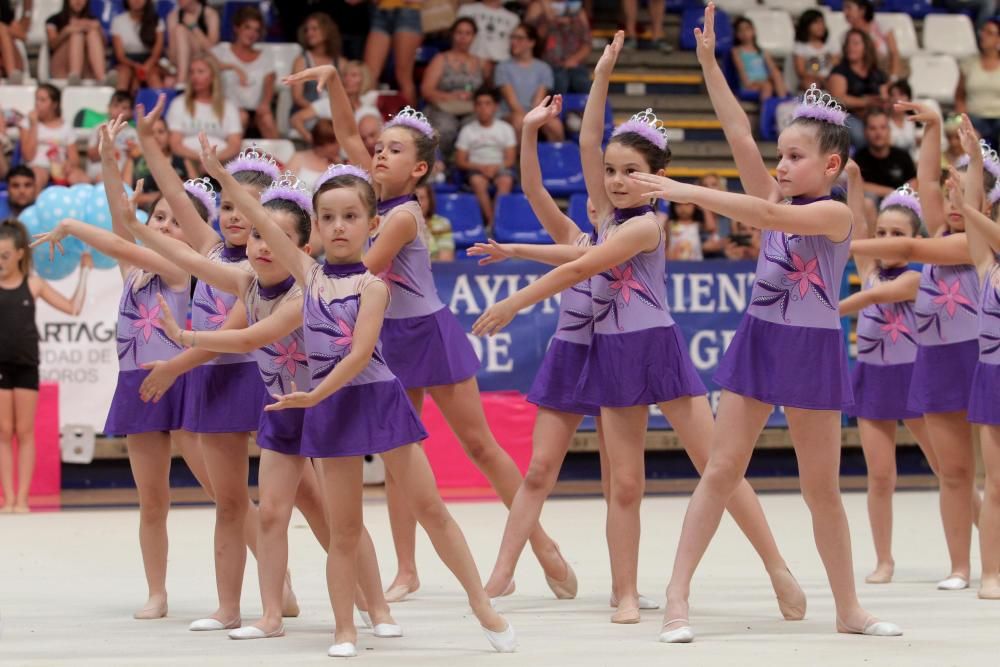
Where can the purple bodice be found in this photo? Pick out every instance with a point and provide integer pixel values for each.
(330, 312)
(140, 337)
(989, 317)
(210, 307)
(576, 315)
(409, 277)
(284, 360)
(887, 332)
(946, 304)
(632, 296)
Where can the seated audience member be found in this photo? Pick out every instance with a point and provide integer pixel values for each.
(204, 108)
(369, 120)
(449, 82)
(978, 92)
(524, 81)
(248, 75)
(495, 26)
(485, 151)
(319, 38)
(137, 44)
(185, 169)
(309, 164)
(883, 166)
(77, 44)
(193, 28)
(126, 143)
(860, 15)
(742, 243)
(684, 226)
(565, 33)
(858, 83)
(754, 65)
(813, 57)
(21, 189)
(48, 143)
(12, 31)
(360, 91)
(437, 232)
(903, 133)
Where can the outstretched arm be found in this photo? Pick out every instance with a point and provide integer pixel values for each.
(554, 255)
(346, 128)
(903, 288)
(41, 289)
(948, 250)
(282, 322)
(114, 186)
(592, 127)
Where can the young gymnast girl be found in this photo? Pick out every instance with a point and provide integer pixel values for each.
(637, 355)
(19, 358)
(356, 406)
(789, 348)
(947, 331)
(425, 346)
(274, 313)
(148, 427)
(887, 348)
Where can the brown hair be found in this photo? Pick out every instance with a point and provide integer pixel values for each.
(218, 96)
(364, 188)
(871, 56)
(14, 229)
(655, 157)
(326, 24)
(248, 13)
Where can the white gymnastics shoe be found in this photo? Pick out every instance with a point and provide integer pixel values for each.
(342, 650)
(387, 630)
(211, 624)
(253, 632)
(682, 634)
(502, 642)
(644, 602)
(953, 584)
(872, 628)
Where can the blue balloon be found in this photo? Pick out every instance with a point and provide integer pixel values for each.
(101, 220)
(29, 217)
(54, 204)
(81, 194)
(97, 209)
(142, 216)
(59, 267)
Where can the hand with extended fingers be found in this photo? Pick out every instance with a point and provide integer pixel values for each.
(144, 122)
(970, 140)
(210, 158)
(320, 74)
(494, 319)
(294, 399)
(54, 238)
(704, 37)
(106, 135)
(922, 113)
(491, 252)
(610, 56)
(661, 187)
(130, 204)
(547, 109)
(167, 322)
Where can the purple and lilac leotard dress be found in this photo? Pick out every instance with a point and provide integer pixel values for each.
(140, 341)
(789, 348)
(984, 401)
(557, 377)
(371, 413)
(948, 349)
(424, 343)
(280, 363)
(219, 391)
(638, 355)
(887, 347)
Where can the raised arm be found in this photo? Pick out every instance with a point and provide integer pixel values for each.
(114, 186)
(929, 166)
(856, 202)
(197, 232)
(592, 127)
(558, 225)
(344, 125)
(41, 289)
(756, 179)
(282, 322)
(903, 288)
(949, 250)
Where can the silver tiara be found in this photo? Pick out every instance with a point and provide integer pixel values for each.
(820, 105)
(646, 125)
(410, 117)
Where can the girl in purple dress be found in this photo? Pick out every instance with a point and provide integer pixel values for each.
(637, 356)
(887, 348)
(789, 348)
(947, 331)
(274, 336)
(425, 346)
(355, 406)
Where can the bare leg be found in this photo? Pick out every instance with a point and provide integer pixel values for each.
(631, 10)
(344, 490)
(404, 48)
(7, 448)
(8, 54)
(656, 11)
(989, 531)
(76, 45)
(180, 48)
(96, 54)
(951, 438)
(309, 501)
(878, 440)
(404, 527)
(376, 52)
(25, 406)
(481, 188)
(149, 457)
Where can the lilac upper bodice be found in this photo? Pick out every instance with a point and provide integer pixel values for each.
(946, 304)
(284, 360)
(211, 307)
(632, 296)
(140, 337)
(576, 314)
(409, 277)
(989, 317)
(887, 332)
(330, 312)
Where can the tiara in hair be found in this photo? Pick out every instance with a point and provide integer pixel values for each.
(991, 161)
(335, 170)
(254, 159)
(410, 117)
(202, 190)
(902, 196)
(288, 187)
(646, 125)
(819, 105)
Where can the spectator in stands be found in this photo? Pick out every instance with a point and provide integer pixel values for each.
(22, 189)
(248, 75)
(77, 44)
(204, 108)
(902, 131)
(860, 15)
(437, 232)
(656, 11)
(11, 31)
(396, 25)
(857, 82)
(48, 143)
(319, 38)
(565, 33)
(369, 120)
(714, 227)
(450, 81)
(813, 57)
(978, 91)
(743, 242)
(495, 25)
(126, 141)
(309, 164)
(360, 91)
(883, 166)
(524, 81)
(193, 28)
(953, 150)
(140, 167)
(486, 150)
(755, 66)
(684, 227)
(137, 44)
(353, 19)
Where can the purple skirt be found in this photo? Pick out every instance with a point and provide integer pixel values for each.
(280, 431)
(880, 392)
(555, 383)
(223, 398)
(638, 368)
(361, 419)
(942, 377)
(428, 351)
(984, 402)
(780, 364)
(129, 415)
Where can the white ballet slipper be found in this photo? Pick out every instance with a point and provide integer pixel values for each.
(683, 634)
(502, 642)
(387, 630)
(211, 624)
(953, 584)
(253, 632)
(872, 628)
(342, 650)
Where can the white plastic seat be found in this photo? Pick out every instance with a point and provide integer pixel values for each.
(836, 28)
(934, 76)
(736, 7)
(902, 28)
(282, 55)
(281, 149)
(76, 98)
(793, 7)
(950, 34)
(41, 11)
(774, 29)
(18, 98)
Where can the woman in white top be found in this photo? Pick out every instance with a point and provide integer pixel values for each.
(137, 42)
(978, 91)
(249, 76)
(48, 143)
(193, 29)
(204, 108)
